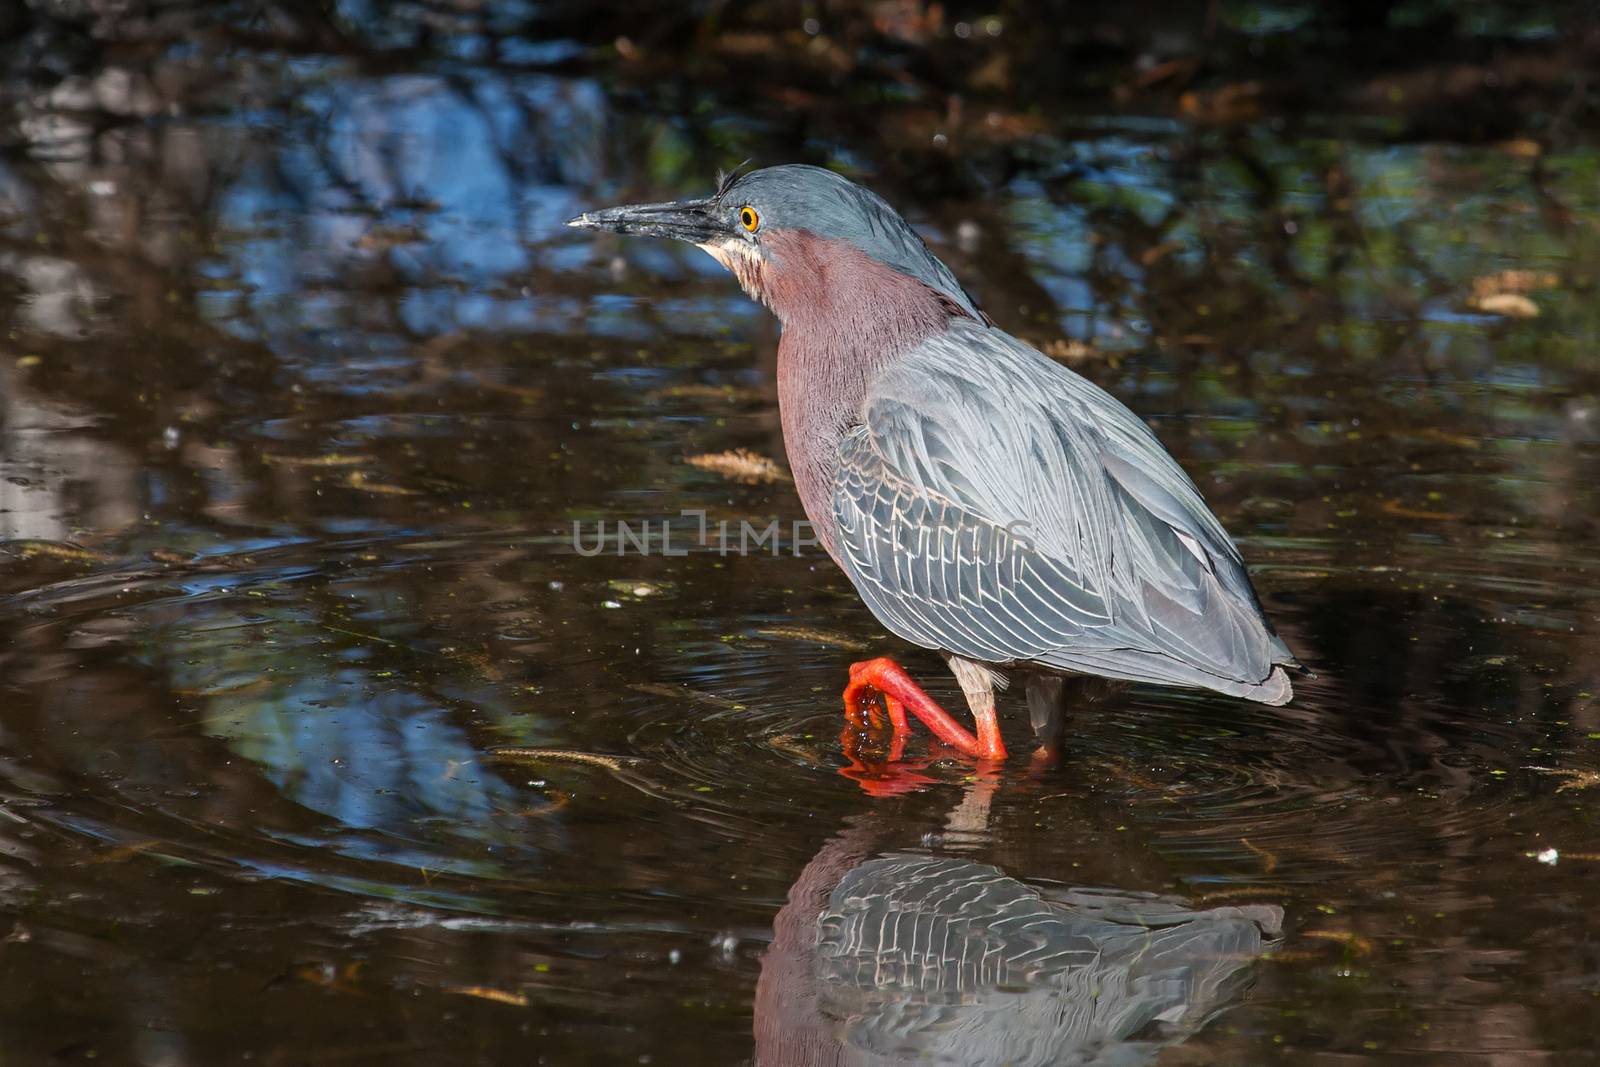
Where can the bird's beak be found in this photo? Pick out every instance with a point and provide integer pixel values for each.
(684, 220)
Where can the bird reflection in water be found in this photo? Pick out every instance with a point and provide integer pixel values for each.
(887, 958)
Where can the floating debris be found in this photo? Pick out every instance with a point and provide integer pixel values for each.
(1269, 861)
(326, 975)
(1155, 254)
(559, 755)
(1511, 305)
(1355, 942)
(792, 745)
(358, 480)
(1520, 147)
(234, 691)
(556, 802)
(332, 459)
(807, 633)
(730, 393)
(1512, 281)
(63, 550)
(725, 945)
(125, 852)
(679, 691)
(1247, 892)
(364, 636)
(1394, 507)
(740, 465)
(1224, 106)
(483, 992)
(1503, 293)
(1070, 351)
(1576, 779)
(1434, 433)
(382, 238)
(635, 587)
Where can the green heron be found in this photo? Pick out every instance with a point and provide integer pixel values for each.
(985, 501)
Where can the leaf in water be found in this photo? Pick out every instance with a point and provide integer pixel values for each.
(740, 465)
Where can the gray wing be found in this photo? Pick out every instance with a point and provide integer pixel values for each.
(995, 505)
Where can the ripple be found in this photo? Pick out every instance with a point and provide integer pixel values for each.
(351, 696)
(331, 712)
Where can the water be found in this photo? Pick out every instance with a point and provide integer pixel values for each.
(322, 740)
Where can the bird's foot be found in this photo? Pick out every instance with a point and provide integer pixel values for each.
(901, 695)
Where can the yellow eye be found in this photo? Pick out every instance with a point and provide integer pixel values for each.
(749, 219)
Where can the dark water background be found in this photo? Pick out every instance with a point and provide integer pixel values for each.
(303, 386)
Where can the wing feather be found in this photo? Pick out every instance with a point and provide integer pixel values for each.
(994, 504)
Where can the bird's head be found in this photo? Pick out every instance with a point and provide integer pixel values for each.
(785, 231)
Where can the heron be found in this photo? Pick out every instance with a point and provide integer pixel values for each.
(985, 501)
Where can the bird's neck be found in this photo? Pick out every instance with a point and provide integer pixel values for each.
(845, 318)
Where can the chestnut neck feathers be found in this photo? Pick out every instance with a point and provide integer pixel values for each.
(845, 317)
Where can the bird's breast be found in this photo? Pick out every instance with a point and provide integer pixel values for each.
(846, 319)
(817, 404)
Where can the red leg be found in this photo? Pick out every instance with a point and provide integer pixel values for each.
(901, 694)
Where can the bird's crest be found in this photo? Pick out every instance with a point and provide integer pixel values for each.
(726, 178)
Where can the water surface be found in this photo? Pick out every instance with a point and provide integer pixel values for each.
(322, 740)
